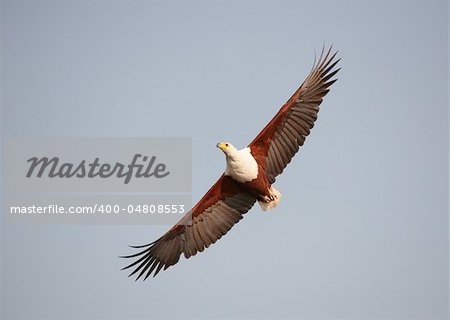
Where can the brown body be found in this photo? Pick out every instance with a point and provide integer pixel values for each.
(259, 187)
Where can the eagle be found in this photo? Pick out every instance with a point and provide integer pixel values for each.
(248, 178)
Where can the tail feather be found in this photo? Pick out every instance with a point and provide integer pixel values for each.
(270, 204)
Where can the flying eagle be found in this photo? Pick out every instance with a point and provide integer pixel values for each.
(248, 177)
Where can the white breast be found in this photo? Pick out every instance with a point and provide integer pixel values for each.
(241, 166)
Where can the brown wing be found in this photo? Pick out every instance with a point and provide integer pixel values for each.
(212, 217)
(280, 140)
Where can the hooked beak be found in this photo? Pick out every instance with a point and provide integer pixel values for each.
(221, 146)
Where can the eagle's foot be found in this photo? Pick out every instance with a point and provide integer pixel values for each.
(270, 201)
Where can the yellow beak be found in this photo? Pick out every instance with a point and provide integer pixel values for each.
(221, 146)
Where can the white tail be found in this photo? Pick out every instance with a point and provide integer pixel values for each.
(275, 196)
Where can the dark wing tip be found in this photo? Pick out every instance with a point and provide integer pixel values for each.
(142, 246)
(142, 264)
(154, 256)
(326, 57)
(324, 69)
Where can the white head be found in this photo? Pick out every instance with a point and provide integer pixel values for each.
(227, 148)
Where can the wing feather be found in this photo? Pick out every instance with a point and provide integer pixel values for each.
(279, 141)
(212, 217)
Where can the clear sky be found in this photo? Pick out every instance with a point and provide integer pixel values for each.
(362, 229)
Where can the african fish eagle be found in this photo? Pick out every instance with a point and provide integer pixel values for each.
(248, 177)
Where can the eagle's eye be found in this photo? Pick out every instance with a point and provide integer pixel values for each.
(226, 144)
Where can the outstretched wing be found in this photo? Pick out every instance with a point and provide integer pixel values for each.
(211, 218)
(280, 140)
